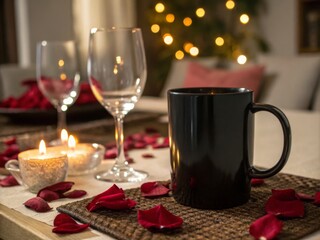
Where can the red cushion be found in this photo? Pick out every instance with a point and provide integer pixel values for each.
(200, 76)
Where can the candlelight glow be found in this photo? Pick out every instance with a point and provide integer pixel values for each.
(64, 136)
(155, 28)
(230, 4)
(170, 18)
(219, 41)
(244, 18)
(42, 147)
(179, 55)
(72, 142)
(61, 63)
(159, 7)
(194, 51)
(187, 21)
(242, 59)
(200, 12)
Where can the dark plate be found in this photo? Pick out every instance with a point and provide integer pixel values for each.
(76, 113)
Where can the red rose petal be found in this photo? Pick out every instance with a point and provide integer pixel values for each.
(10, 141)
(63, 218)
(8, 181)
(70, 228)
(113, 198)
(75, 194)
(111, 153)
(266, 227)
(256, 182)
(305, 197)
(153, 189)
(60, 187)
(147, 155)
(284, 194)
(293, 208)
(150, 130)
(48, 195)
(158, 217)
(38, 204)
(317, 199)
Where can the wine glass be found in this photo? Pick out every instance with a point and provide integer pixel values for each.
(58, 76)
(117, 74)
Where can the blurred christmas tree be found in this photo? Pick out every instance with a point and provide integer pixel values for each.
(227, 29)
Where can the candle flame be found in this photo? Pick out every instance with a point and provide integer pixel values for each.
(42, 147)
(72, 142)
(64, 136)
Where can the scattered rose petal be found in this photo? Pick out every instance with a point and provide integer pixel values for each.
(293, 208)
(266, 227)
(140, 145)
(158, 217)
(38, 204)
(75, 194)
(8, 181)
(305, 197)
(150, 130)
(130, 160)
(48, 195)
(111, 153)
(63, 218)
(284, 194)
(113, 198)
(147, 155)
(153, 189)
(256, 182)
(65, 224)
(317, 199)
(10, 141)
(60, 187)
(70, 228)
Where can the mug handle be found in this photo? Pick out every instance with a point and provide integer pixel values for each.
(13, 167)
(256, 173)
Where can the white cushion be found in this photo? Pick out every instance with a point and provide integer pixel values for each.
(11, 78)
(178, 71)
(295, 80)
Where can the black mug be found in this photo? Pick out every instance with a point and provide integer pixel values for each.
(211, 134)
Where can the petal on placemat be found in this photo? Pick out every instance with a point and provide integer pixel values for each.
(59, 188)
(153, 189)
(48, 195)
(75, 194)
(266, 227)
(305, 197)
(70, 228)
(317, 199)
(158, 217)
(38, 204)
(113, 198)
(256, 182)
(284, 194)
(293, 208)
(8, 181)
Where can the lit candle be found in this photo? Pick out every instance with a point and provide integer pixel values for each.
(64, 137)
(42, 167)
(83, 157)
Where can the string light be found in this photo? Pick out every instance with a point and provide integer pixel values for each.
(194, 51)
(167, 38)
(230, 4)
(187, 46)
(242, 59)
(200, 12)
(159, 7)
(219, 41)
(187, 21)
(170, 18)
(179, 55)
(155, 28)
(244, 18)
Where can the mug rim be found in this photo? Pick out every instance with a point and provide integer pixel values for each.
(208, 91)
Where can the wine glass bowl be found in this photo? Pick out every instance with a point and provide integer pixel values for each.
(117, 75)
(58, 75)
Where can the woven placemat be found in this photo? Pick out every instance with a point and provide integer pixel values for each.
(230, 223)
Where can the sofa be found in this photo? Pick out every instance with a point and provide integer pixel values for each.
(291, 83)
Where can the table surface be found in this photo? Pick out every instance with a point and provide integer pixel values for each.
(18, 222)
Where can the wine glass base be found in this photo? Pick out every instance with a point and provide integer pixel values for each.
(122, 175)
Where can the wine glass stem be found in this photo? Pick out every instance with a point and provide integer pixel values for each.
(61, 120)
(121, 159)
